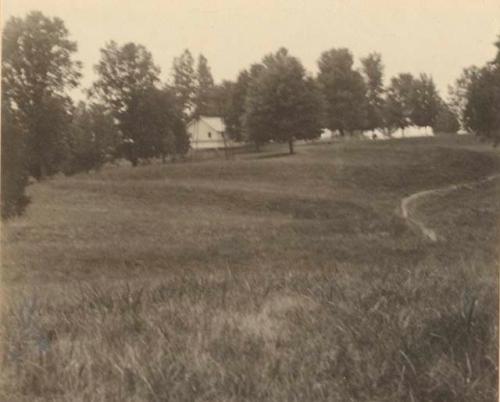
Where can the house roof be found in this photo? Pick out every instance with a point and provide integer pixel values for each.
(214, 122)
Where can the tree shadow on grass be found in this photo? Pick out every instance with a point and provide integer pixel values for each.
(273, 155)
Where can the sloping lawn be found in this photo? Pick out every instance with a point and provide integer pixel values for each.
(257, 279)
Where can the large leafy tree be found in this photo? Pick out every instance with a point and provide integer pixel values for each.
(157, 125)
(233, 117)
(184, 83)
(93, 139)
(123, 73)
(482, 112)
(373, 71)
(399, 103)
(282, 103)
(482, 108)
(37, 71)
(458, 92)
(235, 110)
(344, 91)
(127, 79)
(425, 101)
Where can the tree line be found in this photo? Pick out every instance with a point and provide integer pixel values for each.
(475, 98)
(129, 113)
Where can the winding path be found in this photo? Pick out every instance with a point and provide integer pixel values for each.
(408, 205)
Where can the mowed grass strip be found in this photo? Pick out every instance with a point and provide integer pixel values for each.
(277, 278)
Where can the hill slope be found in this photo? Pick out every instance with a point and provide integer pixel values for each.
(259, 278)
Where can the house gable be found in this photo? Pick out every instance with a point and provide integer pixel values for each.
(206, 132)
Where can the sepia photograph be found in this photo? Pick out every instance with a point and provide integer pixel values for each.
(249, 200)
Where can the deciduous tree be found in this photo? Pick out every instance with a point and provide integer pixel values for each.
(373, 71)
(93, 140)
(37, 71)
(458, 92)
(235, 111)
(399, 105)
(482, 109)
(233, 118)
(425, 101)
(344, 91)
(126, 85)
(282, 104)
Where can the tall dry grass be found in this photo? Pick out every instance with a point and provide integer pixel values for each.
(275, 279)
(425, 333)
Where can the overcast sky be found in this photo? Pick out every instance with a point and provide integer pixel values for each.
(438, 37)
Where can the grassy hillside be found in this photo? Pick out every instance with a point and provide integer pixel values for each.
(266, 277)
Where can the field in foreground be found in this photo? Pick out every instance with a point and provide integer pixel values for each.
(264, 278)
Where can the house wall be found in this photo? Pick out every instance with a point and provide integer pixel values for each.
(410, 131)
(203, 136)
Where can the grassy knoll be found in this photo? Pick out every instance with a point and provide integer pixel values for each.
(260, 278)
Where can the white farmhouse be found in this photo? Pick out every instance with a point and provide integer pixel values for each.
(207, 133)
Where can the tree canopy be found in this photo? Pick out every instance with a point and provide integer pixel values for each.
(399, 101)
(425, 101)
(38, 69)
(123, 73)
(205, 91)
(147, 116)
(282, 104)
(344, 91)
(373, 71)
(458, 92)
(482, 100)
(482, 111)
(93, 139)
(131, 114)
(184, 82)
(235, 110)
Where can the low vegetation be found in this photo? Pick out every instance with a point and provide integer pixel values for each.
(257, 279)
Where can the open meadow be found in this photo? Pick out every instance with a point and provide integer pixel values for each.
(266, 277)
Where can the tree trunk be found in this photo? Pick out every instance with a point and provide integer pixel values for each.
(290, 146)
(341, 132)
